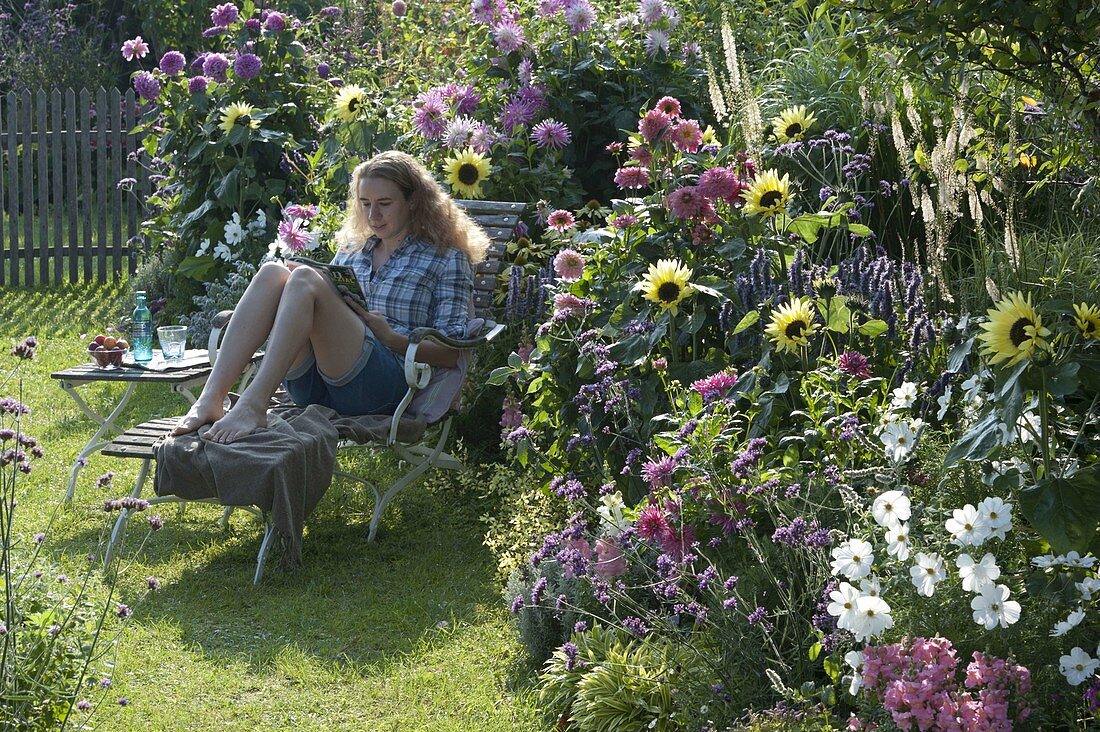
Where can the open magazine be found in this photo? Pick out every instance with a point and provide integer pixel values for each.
(340, 275)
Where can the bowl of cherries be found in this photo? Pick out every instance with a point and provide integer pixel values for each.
(107, 351)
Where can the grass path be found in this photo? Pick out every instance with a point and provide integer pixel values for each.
(407, 633)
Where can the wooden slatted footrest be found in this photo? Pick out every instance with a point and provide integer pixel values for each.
(138, 442)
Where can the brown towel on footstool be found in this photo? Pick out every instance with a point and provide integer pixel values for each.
(283, 469)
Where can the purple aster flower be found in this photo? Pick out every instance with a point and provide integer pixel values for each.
(83, 705)
(147, 86)
(172, 63)
(275, 21)
(215, 66)
(224, 15)
(247, 66)
(197, 84)
(552, 134)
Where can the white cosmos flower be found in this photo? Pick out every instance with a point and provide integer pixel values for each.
(1064, 626)
(998, 515)
(259, 224)
(1078, 666)
(1028, 427)
(872, 617)
(233, 232)
(853, 559)
(1088, 586)
(976, 576)
(945, 402)
(843, 605)
(1074, 559)
(222, 251)
(856, 660)
(870, 587)
(926, 573)
(897, 541)
(204, 245)
(1044, 561)
(892, 507)
(900, 439)
(904, 396)
(968, 526)
(992, 608)
(972, 388)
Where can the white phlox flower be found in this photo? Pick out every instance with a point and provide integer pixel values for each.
(892, 507)
(855, 660)
(897, 541)
(998, 516)
(976, 576)
(967, 526)
(843, 605)
(1077, 666)
(872, 617)
(612, 512)
(992, 607)
(904, 396)
(1087, 587)
(1064, 626)
(853, 559)
(926, 573)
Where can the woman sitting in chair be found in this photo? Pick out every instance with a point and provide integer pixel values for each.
(413, 251)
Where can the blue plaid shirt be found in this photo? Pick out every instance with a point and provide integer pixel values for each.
(418, 286)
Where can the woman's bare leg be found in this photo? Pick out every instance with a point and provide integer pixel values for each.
(310, 313)
(249, 327)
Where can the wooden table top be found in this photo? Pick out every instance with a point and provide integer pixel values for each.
(195, 365)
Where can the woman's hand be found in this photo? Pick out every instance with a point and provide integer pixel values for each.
(375, 321)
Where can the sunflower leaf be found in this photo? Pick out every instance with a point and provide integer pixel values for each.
(873, 328)
(750, 319)
(1065, 510)
(978, 442)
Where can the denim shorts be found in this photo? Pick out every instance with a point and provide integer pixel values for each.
(374, 384)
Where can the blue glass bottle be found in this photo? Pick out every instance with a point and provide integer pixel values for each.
(141, 334)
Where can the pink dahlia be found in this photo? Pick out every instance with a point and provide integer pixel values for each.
(654, 125)
(429, 119)
(642, 155)
(720, 183)
(624, 221)
(134, 48)
(580, 16)
(552, 134)
(224, 15)
(172, 63)
(658, 473)
(560, 220)
(247, 66)
(715, 385)
(686, 136)
(298, 211)
(197, 84)
(632, 176)
(651, 523)
(275, 22)
(566, 305)
(147, 86)
(508, 36)
(668, 105)
(687, 202)
(398, 8)
(293, 235)
(569, 265)
(215, 65)
(855, 364)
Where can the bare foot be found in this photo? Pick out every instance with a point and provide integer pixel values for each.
(199, 414)
(238, 422)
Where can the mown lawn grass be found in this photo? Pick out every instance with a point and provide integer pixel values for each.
(406, 633)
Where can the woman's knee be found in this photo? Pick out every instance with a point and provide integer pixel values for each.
(306, 280)
(272, 272)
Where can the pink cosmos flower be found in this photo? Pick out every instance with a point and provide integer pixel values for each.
(134, 48)
(610, 561)
(293, 236)
(632, 176)
(687, 202)
(654, 125)
(668, 105)
(686, 136)
(569, 265)
(560, 220)
(715, 385)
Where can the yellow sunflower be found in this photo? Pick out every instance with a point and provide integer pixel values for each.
(1014, 330)
(238, 113)
(666, 283)
(465, 172)
(792, 325)
(1088, 321)
(768, 194)
(349, 102)
(792, 123)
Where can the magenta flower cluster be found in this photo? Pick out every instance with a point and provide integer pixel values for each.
(917, 683)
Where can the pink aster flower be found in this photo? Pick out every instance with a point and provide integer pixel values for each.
(552, 134)
(654, 125)
(715, 385)
(569, 265)
(293, 235)
(854, 364)
(632, 176)
(687, 202)
(224, 15)
(669, 106)
(651, 523)
(686, 136)
(134, 48)
(560, 220)
(172, 63)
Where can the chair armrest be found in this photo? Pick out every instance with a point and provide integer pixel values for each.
(461, 344)
(217, 325)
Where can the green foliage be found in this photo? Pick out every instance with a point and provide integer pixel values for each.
(522, 512)
(48, 44)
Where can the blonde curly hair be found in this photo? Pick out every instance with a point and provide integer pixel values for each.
(433, 215)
